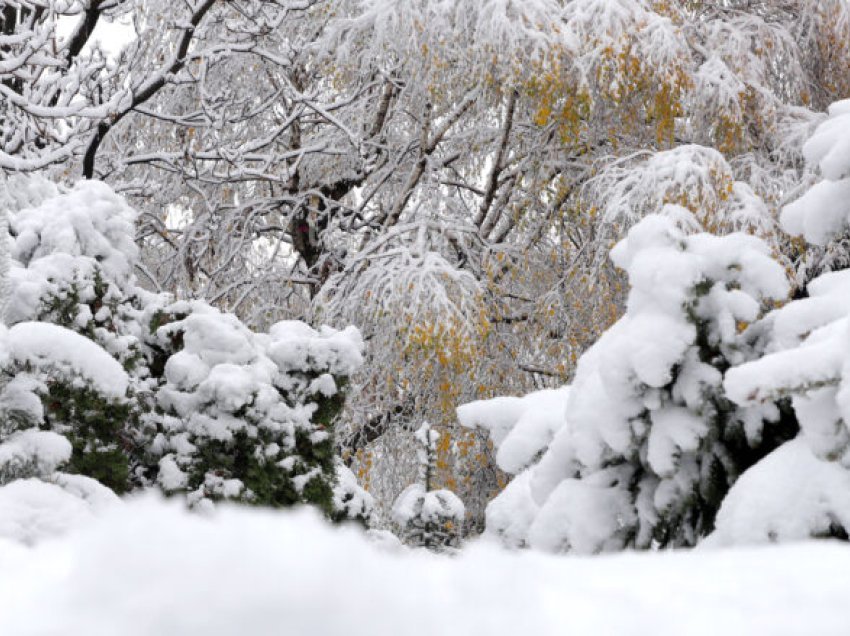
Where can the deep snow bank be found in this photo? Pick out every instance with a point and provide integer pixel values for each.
(150, 568)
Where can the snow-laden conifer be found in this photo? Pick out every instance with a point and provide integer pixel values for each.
(425, 515)
(242, 415)
(206, 407)
(651, 444)
(809, 361)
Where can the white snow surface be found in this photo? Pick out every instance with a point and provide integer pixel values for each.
(150, 568)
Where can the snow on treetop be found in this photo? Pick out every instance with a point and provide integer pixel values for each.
(434, 507)
(296, 345)
(62, 240)
(824, 210)
(89, 220)
(210, 335)
(44, 344)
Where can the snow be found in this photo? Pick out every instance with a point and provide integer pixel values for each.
(520, 427)
(509, 514)
(44, 344)
(585, 515)
(823, 212)
(295, 345)
(149, 567)
(431, 507)
(32, 509)
(829, 146)
(790, 495)
(33, 450)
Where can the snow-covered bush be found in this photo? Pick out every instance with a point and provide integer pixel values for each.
(650, 444)
(72, 260)
(73, 256)
(243, 415)
(56, 380)
(61, 397)
(206, 407)
(428, 517)
(351, 502)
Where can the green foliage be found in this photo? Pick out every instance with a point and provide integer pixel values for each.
(95, 427)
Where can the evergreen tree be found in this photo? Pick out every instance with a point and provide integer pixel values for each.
(351, 502)
(651, 443)
(245, 416)
(809, 361)
(207, 408)
(425, 516)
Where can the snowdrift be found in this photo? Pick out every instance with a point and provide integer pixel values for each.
(149, 567)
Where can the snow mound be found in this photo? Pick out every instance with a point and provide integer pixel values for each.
(790, 495)
(150, 567)
(32, 510)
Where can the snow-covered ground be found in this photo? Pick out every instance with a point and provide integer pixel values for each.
(148, 567)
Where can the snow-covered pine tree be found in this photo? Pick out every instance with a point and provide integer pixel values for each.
(651, 444)
(809, 360)
(73, 254)
(425, 516)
